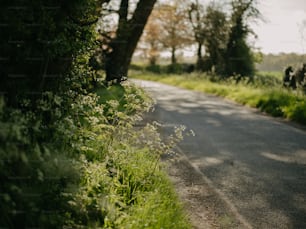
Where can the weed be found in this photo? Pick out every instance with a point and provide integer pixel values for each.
(85, 166)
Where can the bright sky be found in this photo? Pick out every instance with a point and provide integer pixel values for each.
(281, 31)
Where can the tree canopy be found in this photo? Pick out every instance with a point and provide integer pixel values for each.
(39, 42)
(196, 15)
(238, 54)
(167, 29)
(220, 31)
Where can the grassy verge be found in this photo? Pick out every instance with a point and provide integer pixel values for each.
(264, 92)
(79, 162)
(128, 182)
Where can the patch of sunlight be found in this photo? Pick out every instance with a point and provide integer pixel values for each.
(298, 157)
(210, 161)
(207, 162)
(214, 122)
(189, 105)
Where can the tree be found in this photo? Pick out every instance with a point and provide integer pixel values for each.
(150, 43)
(39, 42)
(216, 31)
(238, 54)
(196, 18)
(174, 23)
(120, 43)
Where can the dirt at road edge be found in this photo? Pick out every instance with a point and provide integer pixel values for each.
(204, 207)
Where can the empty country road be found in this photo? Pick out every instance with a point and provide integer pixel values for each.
(257, 162)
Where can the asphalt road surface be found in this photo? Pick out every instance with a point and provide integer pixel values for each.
(256, 162)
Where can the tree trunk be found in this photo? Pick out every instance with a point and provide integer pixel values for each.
(127, 36)
(153, 61)
(116, 64)
(173, 57)
(199, 57)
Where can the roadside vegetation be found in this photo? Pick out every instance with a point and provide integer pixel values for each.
(89, 167)
(263, 91)
(72, 153)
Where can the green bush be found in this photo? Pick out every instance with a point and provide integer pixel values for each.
(35, 169)
(79, 162)
(178, 68)
(155, 68)
(62, 142)
(39, 41)
(296, 111)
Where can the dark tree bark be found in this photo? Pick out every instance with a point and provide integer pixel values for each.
(173, 56)
(129, 31)
(196, 16)
(199, 65)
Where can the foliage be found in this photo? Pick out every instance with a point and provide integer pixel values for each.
(122, 169)
(150, 44)
(70, 156)
(39, 41)
(86, 168)
(216, 32)
(167, 28)
(209, 27)
(196, 15)
(178, 68)
(39, 167)
(261, 91)
(238, 54)
(37, 174)
(267, 79)
(224, 37)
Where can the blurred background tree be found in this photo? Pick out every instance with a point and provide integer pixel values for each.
(220, 32)
(238, 54)
(196, 15)
(170, 19)
(150, 44)
(217, 32)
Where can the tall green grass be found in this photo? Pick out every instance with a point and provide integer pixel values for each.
(81, 162)
(124, 185)
(264, 91)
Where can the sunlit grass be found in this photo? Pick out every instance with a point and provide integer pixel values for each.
(265, 92)
(158, 207)
(138, 193)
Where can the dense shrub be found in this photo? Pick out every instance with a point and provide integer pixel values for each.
(78, 162)
(39, 41)
(155, 68)
(36, 167)
(62, 139)
(178, 68)
(43, 72)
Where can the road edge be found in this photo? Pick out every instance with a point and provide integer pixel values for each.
(201, 199)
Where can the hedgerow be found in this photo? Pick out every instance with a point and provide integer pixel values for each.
(70, 156)
(77, 161)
